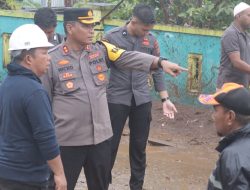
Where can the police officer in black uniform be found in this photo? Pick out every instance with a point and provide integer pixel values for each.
(129, 94)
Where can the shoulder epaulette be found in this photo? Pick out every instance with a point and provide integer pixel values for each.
(116, 29)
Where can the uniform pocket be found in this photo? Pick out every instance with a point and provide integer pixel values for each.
(100, 73)
(69, 82)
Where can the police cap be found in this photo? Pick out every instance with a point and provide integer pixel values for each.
(83, 15)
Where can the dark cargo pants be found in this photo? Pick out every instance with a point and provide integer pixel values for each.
(95, 159)
(139, 124)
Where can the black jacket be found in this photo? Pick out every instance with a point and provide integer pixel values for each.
(232, 170)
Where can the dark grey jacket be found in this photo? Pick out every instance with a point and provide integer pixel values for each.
(123, 83)
(232, 170)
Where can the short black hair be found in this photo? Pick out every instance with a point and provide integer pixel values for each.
(45, 18)
(241, 119)
(144, 13)
(65, 23)
(20, 54)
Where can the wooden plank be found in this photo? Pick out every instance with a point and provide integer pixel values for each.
(157, 142)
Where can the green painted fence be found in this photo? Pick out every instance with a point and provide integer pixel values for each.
(196, 49)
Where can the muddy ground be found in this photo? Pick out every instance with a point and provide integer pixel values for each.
(184, 164)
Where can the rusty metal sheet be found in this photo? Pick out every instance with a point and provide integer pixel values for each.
(6, 55)
(195, 74)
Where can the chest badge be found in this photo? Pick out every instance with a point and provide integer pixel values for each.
(101, 77)
(124, 33)
(70, 85)
(94, 55)
(98, 67)
(67, 75)
(63, 62)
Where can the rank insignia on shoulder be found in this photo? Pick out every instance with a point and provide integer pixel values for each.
(65, 49)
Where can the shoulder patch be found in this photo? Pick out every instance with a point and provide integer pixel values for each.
(113, 52)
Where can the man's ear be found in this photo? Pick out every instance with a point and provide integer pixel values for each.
(231, 116)
(134, 20)
(28, 59)
(69, 28)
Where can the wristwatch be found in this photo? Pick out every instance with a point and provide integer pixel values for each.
(160, 60)
(164, 99)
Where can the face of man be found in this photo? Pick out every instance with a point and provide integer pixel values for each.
(39, 61)
(49, 32)
(140, 29)
(244, 19)
(81, 33)
(222, 120)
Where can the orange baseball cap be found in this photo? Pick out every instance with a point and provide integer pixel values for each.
(232, 96)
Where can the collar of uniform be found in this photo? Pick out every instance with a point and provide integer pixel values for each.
(87, 48)
(66, 50)
(244, 33)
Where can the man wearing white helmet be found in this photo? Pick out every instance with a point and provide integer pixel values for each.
(28, 146)
(235, 48)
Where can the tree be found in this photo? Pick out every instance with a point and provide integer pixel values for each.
(7, 4)
(213, 14)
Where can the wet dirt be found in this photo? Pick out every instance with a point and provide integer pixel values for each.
(187, 161)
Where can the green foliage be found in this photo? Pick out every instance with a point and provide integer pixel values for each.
(8, 4)
(213, 14)
(18, 4)
(30, 4)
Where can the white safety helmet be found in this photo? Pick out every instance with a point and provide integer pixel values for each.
(240, 7)
(28, 36)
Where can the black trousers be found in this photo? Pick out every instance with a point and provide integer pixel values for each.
(16, 185)
(139, 124)
(95, 159)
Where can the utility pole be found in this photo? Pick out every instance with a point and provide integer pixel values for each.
(44, 3)
(49, 3)
(68, 3)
